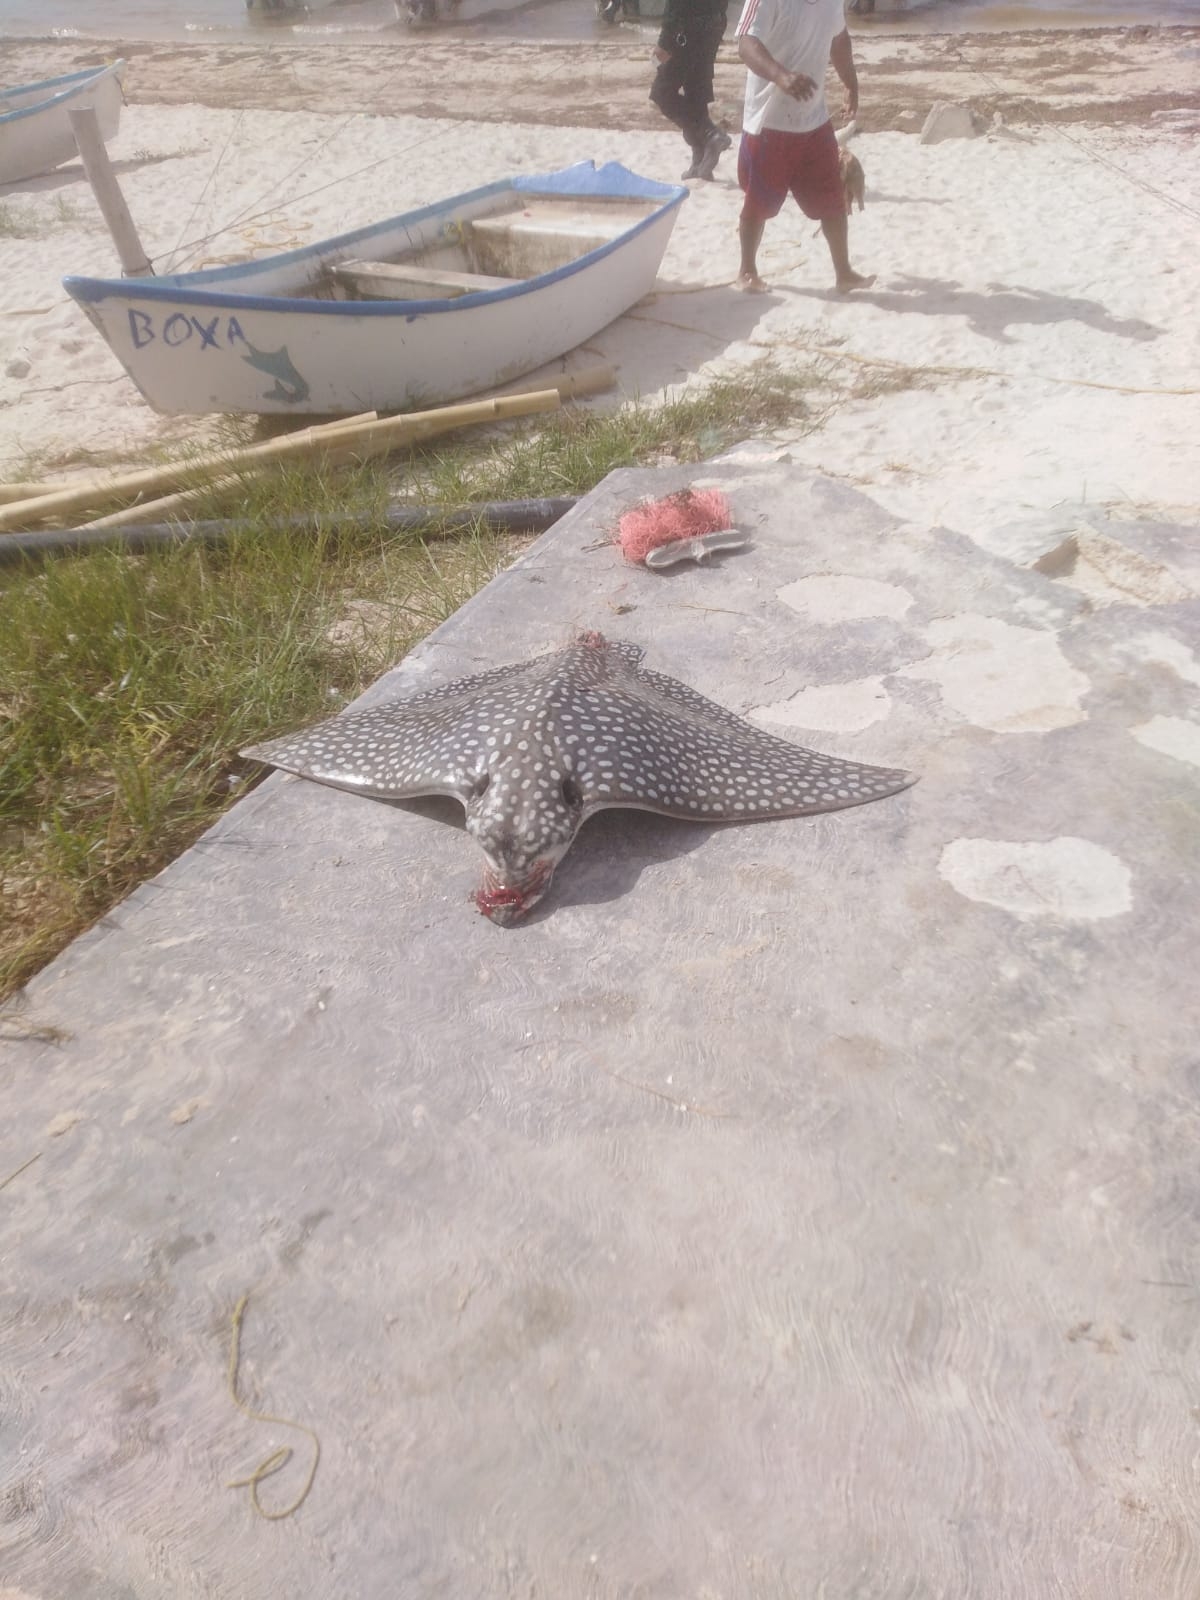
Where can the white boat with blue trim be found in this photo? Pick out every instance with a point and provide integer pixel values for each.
(443, 302)
(283, 9)
(35, 121)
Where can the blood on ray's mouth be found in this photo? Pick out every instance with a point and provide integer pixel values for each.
(508, 902)
(489, 900)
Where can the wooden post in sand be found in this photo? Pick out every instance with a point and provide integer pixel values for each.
(135, 263)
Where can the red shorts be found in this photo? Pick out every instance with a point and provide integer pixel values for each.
(773, 164)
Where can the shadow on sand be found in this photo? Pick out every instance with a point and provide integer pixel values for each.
(993, 310)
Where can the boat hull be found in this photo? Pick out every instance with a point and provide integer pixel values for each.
(35, 121)
(227, 341)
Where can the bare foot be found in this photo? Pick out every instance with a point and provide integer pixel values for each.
(855, 280)
(751, 283)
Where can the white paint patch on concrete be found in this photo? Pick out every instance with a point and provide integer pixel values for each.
(1161, 650)
(831, 707)
(835, 597)
(1000, 676)
(1043, 610)
(1171, 736)
(1066, 877)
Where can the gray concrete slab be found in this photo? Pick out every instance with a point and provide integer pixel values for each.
(803, 1209)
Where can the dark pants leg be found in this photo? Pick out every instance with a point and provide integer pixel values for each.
(682, 90)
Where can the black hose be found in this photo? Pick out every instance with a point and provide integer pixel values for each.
(498, 516)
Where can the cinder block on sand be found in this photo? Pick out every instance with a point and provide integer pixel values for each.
(949, 121)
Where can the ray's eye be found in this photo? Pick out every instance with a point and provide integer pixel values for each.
(571, 793)
(480, 787)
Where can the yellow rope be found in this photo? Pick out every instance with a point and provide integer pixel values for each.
(279, 1458)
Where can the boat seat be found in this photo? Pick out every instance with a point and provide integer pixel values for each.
(539, 235)
(582, 233)
(408, 280)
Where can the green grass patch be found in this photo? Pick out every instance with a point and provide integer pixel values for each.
(128, 683)
(18, 222)
(577, 448)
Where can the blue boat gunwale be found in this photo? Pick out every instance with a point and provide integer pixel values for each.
(60, 89)
(178, 289)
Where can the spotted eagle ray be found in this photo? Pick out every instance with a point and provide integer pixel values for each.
(531, 750)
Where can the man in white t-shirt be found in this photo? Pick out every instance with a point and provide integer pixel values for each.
(788, 144)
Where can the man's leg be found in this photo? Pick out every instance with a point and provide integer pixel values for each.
(669, 94)
(750, 232)
(716, 142)
(706, 137)
(765, 190)
(694, 118)
(837, 236)
(815, 179)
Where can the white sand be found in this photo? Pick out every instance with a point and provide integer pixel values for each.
(1038, 260)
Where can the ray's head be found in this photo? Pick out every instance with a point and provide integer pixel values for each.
(523, 811)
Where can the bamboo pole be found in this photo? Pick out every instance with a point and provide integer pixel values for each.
(571, 385)
(33, 491)
(590, 381)
(363, 444)
(371, 438)
(168, 505)
(27, 491)
(352, 438)
(164, 506)
(378, 438)
(340, 424)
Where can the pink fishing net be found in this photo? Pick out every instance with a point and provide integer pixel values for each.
(679, 516)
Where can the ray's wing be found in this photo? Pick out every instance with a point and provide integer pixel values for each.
(662, 747)
(657, 685)
(423, 744)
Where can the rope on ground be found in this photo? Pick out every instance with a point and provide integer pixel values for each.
(254, 246)
(959, 372)
(1138, 183)
(680, 327)
(1089, 155)
(278, 1459)
(909, 366)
